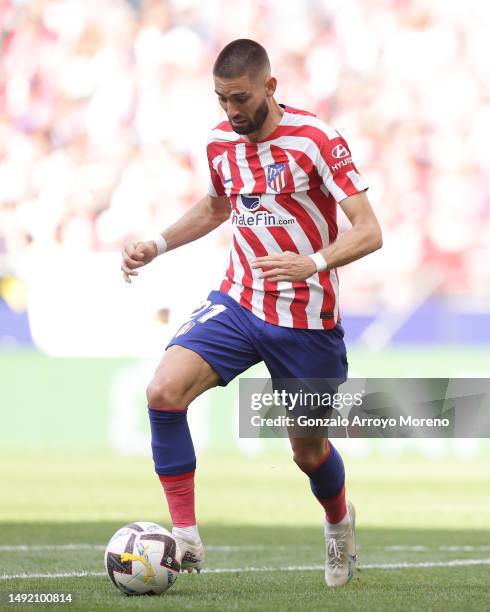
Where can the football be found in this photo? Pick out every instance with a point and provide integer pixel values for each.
(142, 559)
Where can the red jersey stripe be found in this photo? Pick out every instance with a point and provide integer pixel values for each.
(228, 280)
(246, 294)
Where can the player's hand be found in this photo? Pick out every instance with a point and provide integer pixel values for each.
(285, 266)
(135, 255)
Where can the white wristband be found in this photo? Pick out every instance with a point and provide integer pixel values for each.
(320, 262)
(161, 244)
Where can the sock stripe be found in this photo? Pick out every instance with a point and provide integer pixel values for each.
(334, 499)
(335, 507)
(324, 458)
(183, 409)
(175, 477)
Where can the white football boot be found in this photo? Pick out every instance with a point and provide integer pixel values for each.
(192, 550)
(340, 550)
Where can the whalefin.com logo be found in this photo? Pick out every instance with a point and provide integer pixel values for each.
(253, 217)
(250, 202)
(261, 218)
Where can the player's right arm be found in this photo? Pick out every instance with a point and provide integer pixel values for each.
(204, 217)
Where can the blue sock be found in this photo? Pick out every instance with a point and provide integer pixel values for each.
(171, 442)
(329, 477)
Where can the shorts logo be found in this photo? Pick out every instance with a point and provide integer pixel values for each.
(340, 151)
(251, 202)
(185, 328)
(276, 176)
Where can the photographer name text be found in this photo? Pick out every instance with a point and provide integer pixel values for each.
(356, 421)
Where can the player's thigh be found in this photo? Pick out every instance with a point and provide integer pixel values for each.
(181, 376)
(219, 331)
(305, 353)
(309, 366)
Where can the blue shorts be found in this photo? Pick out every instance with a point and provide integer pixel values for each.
(232, 339)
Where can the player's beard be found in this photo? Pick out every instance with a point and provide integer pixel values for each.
(254, 124)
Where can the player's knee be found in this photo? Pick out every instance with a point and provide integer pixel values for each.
(307, 457)
(165, 393)
(305, 462)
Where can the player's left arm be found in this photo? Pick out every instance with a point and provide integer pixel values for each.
(334, 164)
(362, 238)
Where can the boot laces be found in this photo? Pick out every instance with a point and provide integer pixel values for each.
(336, 547)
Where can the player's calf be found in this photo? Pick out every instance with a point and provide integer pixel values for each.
(320, 460)
(175, 464)
(322, 463)
(181, 376)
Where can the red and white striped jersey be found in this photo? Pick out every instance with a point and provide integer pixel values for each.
(283, 193)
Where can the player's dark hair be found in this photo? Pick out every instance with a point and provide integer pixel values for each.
(240, 57)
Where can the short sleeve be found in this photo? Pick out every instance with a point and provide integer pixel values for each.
(215, 187)
(337, 169)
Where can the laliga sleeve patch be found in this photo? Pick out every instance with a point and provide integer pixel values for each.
(185, 328)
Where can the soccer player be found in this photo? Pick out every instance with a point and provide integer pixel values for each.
(278, 173)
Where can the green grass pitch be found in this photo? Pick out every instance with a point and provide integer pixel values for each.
(423, 532)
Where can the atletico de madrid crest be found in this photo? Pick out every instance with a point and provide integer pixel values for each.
(276, 178)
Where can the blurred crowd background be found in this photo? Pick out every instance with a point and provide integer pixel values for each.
(105, 106)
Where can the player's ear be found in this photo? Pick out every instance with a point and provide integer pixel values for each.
(270, 86)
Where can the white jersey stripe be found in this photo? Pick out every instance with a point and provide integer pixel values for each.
(312, 121)
(223, 136)
(245, 172)
(357, 180)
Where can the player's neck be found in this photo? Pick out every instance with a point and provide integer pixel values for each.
(272, 120)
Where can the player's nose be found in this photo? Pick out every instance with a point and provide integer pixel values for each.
(232, 112)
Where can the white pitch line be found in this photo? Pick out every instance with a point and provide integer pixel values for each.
(421, 548)
(55, 575)
(48, 547)
(288, 568)
(69, 547)
(216, 548)
(453, 563)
